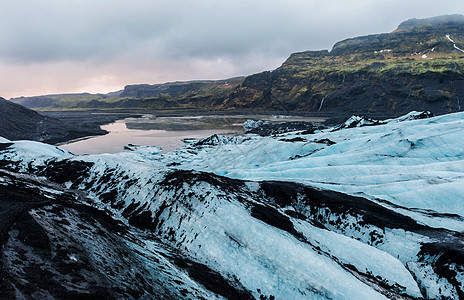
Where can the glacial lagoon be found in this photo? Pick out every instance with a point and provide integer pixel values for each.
(169, 133)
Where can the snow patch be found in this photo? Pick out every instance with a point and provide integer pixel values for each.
(384, 50)
(72, 257)
(454, 44)
(449, 38)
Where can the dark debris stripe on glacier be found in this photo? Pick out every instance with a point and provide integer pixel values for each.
(271, 205)
(213, 230)
(55, 246)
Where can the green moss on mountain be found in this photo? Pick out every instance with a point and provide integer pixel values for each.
(172, 95)
(418, 66)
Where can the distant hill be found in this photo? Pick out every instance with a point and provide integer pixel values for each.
(64, 101)
(172, 95)
(418, 66)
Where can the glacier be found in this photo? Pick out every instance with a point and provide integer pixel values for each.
(364, 210)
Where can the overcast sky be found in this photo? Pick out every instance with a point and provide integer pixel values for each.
(57, 46)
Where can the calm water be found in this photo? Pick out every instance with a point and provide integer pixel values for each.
(165, 132)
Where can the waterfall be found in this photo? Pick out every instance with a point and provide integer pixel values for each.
(322, 102)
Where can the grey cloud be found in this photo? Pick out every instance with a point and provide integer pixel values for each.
(52, 30)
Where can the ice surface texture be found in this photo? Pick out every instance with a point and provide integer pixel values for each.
(366, 211)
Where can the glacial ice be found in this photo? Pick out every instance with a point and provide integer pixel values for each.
(415, 164)
(411, 166)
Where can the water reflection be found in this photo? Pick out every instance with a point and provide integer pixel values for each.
(165, 132)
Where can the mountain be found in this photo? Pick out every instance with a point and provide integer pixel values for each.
(172, 95)
(63, 101)
(418, 66)
(364, 210)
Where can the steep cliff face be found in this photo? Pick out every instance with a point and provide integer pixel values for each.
(418, 66)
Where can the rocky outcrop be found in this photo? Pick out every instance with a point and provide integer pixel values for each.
(21, 123)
